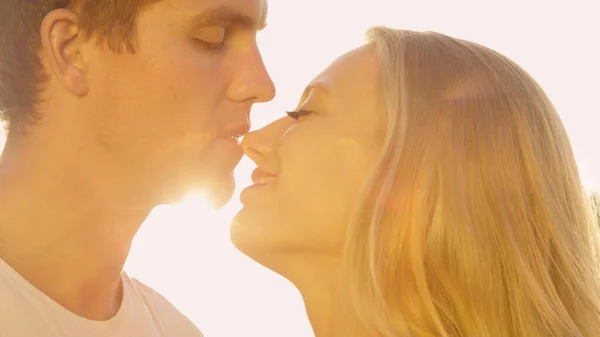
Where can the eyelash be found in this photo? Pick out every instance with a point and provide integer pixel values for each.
(210, 46)
(298, 113)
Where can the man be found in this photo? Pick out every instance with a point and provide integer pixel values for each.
(112, 107)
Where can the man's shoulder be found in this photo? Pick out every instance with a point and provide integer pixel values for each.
(149, 295)
(164, 313)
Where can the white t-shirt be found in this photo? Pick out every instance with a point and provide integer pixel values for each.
(27, 312)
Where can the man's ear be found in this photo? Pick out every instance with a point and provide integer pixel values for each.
(61, 40)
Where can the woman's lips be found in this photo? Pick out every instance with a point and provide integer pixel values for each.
(260, 177)
(263, 181)
(260, 180)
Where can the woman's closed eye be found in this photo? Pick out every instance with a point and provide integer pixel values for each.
(297, 114)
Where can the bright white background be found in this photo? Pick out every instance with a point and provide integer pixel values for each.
(184, 252)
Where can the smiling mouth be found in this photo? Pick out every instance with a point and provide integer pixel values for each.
(260, 177)
(263, 181)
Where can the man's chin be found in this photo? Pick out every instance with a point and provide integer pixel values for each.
(217, 192)
(220, 199)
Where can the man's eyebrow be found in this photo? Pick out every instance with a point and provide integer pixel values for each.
(226, 17)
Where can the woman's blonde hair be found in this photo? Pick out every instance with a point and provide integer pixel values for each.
(475, 222)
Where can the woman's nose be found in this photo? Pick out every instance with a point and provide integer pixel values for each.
(258, 144)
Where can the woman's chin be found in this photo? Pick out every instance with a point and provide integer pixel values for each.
(245, 233)
(253, 239)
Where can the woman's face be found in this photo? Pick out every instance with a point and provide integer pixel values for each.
(311, 170)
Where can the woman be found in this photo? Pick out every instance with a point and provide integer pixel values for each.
(425, 186)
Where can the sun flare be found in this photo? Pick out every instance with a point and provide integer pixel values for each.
(197, 201)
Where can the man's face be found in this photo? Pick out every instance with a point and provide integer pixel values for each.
(168, 115)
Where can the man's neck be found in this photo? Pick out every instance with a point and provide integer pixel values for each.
(67, 239)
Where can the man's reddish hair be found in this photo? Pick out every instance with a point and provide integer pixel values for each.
(21, 77)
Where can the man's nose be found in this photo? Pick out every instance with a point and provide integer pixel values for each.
(251, 81)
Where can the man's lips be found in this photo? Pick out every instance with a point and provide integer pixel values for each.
(262, 177)
(235, 132)
(225, 153)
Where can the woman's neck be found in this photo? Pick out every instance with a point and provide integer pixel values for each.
(319, 282)
(321, 302)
